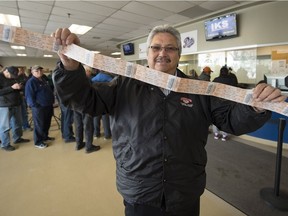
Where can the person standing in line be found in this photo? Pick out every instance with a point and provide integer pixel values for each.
(67, 116)
(40, 98)
(102, 77)
(159, 136)
(224, 78)
(206, 74)
(233, 76)
(83, 123)
(23, 79)
(10, 108)
(193, 74)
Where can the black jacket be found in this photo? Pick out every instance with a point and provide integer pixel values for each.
(9, 97)
(158, 141)
(226, 79)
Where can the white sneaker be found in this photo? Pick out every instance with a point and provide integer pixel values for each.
(216, 136)
(41, 145)
(224, 138)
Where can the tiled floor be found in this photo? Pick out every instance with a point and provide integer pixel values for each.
(59, 181)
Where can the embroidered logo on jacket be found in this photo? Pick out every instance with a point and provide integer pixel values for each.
(186, 102)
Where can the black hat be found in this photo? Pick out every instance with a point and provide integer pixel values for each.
(13, 71)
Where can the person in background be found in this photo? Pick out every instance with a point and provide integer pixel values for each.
(193, 74)
(206, 74)
(224, 78)
(10, 108)
(40, 98)
(232, 75)
(83, 123)
(102, 77)
(23, 79)
(67, 116)
(158, 140)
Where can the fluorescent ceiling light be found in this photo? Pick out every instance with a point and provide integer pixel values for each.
(18, 47)
(21, 55)
(116, 53)
(11, 20)
(79, 29)
(48, 56)
(96, 52)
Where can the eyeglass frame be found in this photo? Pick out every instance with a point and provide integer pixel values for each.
(168, 49)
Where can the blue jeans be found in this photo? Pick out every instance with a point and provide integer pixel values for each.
(106, 125)
(10, 118)
(25, 121)
(66, 123)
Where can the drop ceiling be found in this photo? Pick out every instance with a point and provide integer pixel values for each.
(113, 22)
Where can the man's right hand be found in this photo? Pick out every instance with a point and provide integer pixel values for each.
(64, 37)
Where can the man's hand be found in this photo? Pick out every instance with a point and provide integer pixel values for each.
(64, 37)
(16, 86)
(267, 93)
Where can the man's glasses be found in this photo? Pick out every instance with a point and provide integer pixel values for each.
(168, 49)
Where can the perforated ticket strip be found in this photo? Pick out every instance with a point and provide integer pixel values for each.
(118, 66)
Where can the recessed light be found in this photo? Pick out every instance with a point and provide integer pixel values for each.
(116, 53)
(18, 47)
(48, 56)
(11, 20)
(79, 29)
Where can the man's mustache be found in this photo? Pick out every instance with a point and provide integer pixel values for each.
(163, 58)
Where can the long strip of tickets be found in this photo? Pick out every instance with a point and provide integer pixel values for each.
(118, 66)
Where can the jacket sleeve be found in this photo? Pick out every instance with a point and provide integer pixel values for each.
(6, 90)
(30, 95)
(236, 118)
(76, 91)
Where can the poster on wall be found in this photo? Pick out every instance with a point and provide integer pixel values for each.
(142, 51)
(189, 42)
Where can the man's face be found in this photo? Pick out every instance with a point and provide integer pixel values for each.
(165, 60)
(37, 73)
(7, 74)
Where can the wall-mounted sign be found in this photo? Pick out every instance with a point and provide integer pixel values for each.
(142, 51)
(189, 42)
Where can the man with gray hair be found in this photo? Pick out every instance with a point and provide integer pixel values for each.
(158, 141)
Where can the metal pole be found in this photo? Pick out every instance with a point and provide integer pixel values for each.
(282, 123)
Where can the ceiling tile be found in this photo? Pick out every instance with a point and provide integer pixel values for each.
(194, 12)
(146, 10)
(169, 5)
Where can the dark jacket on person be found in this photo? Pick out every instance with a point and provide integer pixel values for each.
(226, 78)
(39, 93)
(9, 97)
(158, 141)
(204, 76)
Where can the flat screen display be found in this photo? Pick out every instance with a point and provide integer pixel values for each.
(128, 49)
(221, 27)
